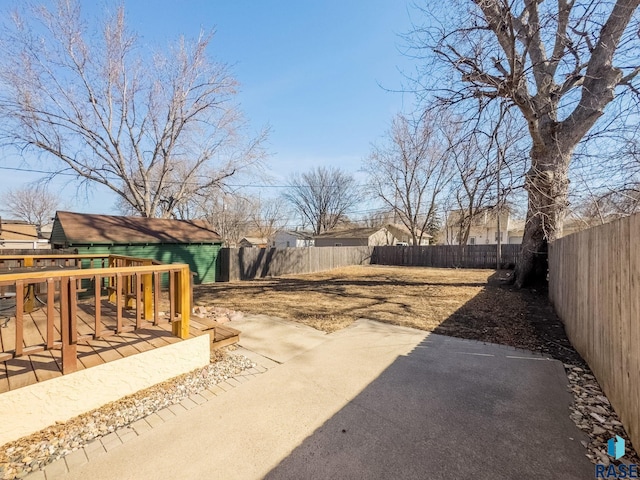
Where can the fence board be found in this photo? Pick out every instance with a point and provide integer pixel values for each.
(594, 285)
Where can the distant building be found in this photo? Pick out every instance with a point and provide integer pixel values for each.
(293, 238)
(484, 229)
(357, 237)
(402, 235)
(18, 234)
(253, 242)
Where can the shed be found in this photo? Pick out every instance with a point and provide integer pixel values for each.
(165, 240)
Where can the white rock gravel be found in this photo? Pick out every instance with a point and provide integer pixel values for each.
(34, 452)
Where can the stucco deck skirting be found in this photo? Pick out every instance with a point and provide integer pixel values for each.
(29, 409)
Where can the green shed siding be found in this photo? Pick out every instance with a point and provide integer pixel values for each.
(57, 236)
(201, 258)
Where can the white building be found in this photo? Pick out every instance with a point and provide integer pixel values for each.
(484, 229)
(293, 238)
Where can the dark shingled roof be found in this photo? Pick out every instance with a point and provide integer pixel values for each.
(81, 228)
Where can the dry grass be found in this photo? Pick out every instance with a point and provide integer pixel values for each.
(412, 296)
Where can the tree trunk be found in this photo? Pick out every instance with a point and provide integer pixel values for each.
(548, 188)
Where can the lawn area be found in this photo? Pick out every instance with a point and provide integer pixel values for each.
(331, 300)
(458, 302)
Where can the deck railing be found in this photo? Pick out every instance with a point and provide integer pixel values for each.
(129, 284)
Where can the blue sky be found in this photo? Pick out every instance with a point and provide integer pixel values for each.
(312, 71)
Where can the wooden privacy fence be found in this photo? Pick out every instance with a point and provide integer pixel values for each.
(250, 263)
(134, 287)
(446, 256)
(594, 285)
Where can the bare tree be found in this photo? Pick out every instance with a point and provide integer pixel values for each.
(560, 63)
(410, 170)
(230, 215)
(34, 204)
(156, 128)
(269, 216)
(488, 163)
(377, 218)
(323, 197)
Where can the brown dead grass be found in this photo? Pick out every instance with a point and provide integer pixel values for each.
(418, 297)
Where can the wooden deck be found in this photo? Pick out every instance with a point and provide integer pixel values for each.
(29, 369)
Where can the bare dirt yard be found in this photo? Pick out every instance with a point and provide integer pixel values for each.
(474, 304)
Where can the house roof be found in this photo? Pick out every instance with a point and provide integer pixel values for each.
(350, 233)
(302, 235)
(254, 240)
(17, 230)
(81, 228)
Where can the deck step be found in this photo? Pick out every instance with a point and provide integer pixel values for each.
(221, 335)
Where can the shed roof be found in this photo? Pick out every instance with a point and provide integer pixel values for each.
(82, 228)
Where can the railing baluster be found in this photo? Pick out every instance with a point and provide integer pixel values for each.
(19, 317)
(156, 298)
(97, 296)
(119, 302)
(73, 310)
(138, 300)
(51, 291)
(69, 346)
(172, 296)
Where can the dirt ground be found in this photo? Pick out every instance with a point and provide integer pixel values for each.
(473, 304)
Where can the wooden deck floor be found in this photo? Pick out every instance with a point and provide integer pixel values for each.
(27, 370)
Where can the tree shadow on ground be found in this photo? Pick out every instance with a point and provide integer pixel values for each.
(521, 318)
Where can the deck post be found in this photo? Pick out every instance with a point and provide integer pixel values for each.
(69, 346)
(147, 294)
(183, 302)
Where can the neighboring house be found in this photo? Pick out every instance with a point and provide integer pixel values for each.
(403, 235)
(253, 242)
(484, 229)
(168, 241)
(18, 234)
(356, 237)
(293, 238)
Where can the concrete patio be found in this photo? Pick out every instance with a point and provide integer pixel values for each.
(370, 401)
